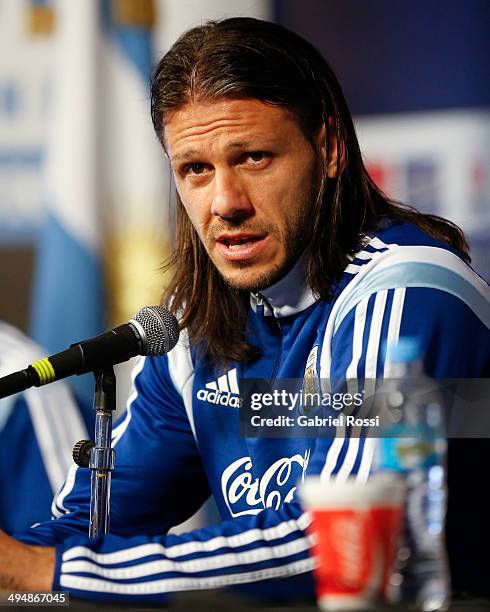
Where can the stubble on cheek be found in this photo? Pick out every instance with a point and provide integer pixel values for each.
(293, 241)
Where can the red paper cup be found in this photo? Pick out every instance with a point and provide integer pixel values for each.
(357, 526)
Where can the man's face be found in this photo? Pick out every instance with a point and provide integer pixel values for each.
(248, 178)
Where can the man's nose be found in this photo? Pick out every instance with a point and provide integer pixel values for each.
(230, 198)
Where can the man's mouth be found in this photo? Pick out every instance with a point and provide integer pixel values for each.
(233, 242)
(240, 246)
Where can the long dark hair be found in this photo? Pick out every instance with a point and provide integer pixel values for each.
(249, 58)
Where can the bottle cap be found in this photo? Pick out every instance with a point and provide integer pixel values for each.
(407, 349)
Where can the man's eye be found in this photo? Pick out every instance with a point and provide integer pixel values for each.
(195, 168)
(256, 156)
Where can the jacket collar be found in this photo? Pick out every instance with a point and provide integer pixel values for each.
(288, 296)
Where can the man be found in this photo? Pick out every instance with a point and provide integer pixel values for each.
(38, 429)
(287, 258)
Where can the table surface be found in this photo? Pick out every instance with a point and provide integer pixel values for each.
(215, 601)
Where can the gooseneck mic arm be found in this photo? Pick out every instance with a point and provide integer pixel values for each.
(102, 456)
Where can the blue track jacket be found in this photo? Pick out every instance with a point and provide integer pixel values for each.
(178, 443)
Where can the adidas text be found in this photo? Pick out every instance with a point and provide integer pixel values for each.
(222, 398)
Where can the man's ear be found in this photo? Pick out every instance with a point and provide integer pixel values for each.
(334, 157)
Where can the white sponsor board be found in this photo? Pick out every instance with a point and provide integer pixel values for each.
(438, 162)
(438, 156)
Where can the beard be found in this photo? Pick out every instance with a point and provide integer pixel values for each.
(294, 247)
(294, 238)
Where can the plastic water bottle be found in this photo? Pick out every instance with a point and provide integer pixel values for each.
(411, 412)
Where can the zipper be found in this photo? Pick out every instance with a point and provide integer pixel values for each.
(261, 300)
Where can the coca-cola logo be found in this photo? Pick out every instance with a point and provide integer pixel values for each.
(350, 542)
(276, 486)
(353, 553)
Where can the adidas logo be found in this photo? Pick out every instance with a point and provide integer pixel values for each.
(223, 392)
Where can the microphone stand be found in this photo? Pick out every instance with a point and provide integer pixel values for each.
(99, 456)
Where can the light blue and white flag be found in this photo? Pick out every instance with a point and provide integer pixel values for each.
(135, 187)
(106, 181)
(68, 289)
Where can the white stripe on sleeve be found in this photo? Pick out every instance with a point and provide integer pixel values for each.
(392, 338)
(206, 564)
(119, 430)
(369, 382)
(244, 538)
(186, 584)
(181, 370)
(351, 374)
(394, 324)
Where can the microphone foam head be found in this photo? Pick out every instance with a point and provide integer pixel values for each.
(161, 330)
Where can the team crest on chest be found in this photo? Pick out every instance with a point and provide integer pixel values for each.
(310, 378)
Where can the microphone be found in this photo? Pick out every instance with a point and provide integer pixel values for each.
(152, 331)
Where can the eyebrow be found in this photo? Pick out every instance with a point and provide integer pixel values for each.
(241, 145)
(185, 155)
